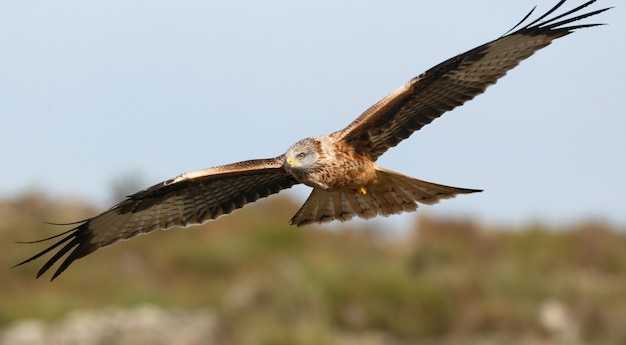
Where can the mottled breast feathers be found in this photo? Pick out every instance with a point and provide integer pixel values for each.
(340, 167)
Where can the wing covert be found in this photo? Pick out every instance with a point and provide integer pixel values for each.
(453, 82)
(188, 199)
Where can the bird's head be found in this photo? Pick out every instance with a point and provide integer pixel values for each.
(302, 156)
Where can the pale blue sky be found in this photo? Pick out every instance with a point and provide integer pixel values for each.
(95, 91)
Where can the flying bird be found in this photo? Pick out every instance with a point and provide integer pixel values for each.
(340, 167)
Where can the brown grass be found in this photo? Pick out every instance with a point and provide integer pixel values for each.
(447, 282)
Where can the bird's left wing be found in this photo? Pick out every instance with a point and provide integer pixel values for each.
(453, 82)
(188, 199)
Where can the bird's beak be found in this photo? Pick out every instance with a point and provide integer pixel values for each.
(290, 163)
(287, 163)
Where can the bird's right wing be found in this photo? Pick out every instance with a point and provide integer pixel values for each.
(188, 199)
(454, 82)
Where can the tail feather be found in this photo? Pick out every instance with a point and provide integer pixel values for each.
(392, 193)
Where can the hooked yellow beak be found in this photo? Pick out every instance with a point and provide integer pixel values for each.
(292, 163)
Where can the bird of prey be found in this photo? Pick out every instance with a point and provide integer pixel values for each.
(340, 167)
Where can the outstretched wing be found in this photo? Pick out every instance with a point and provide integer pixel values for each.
(188, 199)
(454, 82)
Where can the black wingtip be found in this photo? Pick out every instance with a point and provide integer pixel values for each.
(47, 238)
(521, 21)
(557, 22)
(77, 243)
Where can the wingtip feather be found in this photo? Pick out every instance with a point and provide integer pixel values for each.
(76, 243)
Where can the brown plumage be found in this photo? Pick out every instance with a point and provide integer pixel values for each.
(340, 166)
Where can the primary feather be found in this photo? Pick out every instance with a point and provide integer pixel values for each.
(340, 167)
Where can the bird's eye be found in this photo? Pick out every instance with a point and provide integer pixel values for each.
(301, 155)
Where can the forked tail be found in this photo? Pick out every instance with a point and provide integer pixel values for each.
(392, 193)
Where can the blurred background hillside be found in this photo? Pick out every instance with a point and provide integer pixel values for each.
(146, 90)
(249, 278)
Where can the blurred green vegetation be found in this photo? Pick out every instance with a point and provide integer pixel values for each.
(444, 282)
